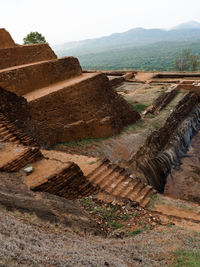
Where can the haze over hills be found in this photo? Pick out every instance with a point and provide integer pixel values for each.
(131, 48)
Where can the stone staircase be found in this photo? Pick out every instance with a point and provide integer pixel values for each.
(112, 183)
(10, 133)
(66, 178)
(14, 157)
(118, 184)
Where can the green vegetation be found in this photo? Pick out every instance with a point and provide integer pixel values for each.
(158, 56)
(116, 225)
(187, 258)
(80, 143)
(185, 61)
(153, 201)
(140, 107)
(135, 232)
(91, 162)
(34, 38)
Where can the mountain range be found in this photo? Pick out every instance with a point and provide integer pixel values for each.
(94, 50)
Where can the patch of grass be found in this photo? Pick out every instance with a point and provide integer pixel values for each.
(110, 213)
(153, 201)
(125, 217)
(86, 201)
(91, 162)
(135, 232)
(116, 225)
(136, 126)
(140, 107)
(187, 258)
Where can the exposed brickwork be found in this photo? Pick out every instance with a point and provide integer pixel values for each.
(25, 54)
(15, 118)
(14, 157)
(163, 100)
(6, 39)
(67, 183)
(89, 108)
(25, 79)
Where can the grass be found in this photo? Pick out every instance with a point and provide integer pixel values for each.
(136, 126)
(135, 232)
(153, 201)
(140, 107)
(91, 162)
(116, 225)
(86, 201)
(187, 258)
(80, 143)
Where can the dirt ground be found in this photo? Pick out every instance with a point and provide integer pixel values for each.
(27, 241)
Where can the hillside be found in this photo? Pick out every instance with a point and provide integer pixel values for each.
(158, 56)
(146, 49)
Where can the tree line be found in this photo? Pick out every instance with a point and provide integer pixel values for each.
(186, 61)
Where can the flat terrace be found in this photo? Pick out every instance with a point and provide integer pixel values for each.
(52, 88)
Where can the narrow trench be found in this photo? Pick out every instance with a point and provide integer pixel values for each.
(184, 180)
(176, 170)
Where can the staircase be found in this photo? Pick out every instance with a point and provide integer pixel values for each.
(13, 157)
(10, 133)
(118, 184)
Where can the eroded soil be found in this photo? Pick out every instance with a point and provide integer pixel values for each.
(28, 241)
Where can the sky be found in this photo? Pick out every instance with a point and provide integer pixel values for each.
(71, 20)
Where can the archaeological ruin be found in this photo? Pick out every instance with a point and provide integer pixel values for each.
(116, 136)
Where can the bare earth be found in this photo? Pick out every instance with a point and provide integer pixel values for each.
(27, 241)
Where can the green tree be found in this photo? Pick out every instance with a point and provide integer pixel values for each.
(194, 62)
(186, 61)
(34, 38)
(183, 60)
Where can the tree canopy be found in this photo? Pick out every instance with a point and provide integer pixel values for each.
(185, 61)
(34, 38)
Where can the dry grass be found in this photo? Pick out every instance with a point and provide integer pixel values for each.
(27, 241)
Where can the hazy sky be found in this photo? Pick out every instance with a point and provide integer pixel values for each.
(69, 20)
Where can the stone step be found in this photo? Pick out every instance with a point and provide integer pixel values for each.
(58, 86)
(143, 193)
(54, 177)
(26, 54)
(135, 192)
(130, 186)
(27, 78)
(10, 133)
(145, 201)
(14, 157)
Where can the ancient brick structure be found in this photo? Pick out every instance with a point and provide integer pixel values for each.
(6, 39)
(27, 54)
(61, 103)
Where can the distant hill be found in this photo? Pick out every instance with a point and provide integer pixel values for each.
(188, 25)
(136, 48)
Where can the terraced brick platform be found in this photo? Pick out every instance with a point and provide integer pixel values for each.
(14, 157)
(62, 103)
(113, 182)
(10, 133)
